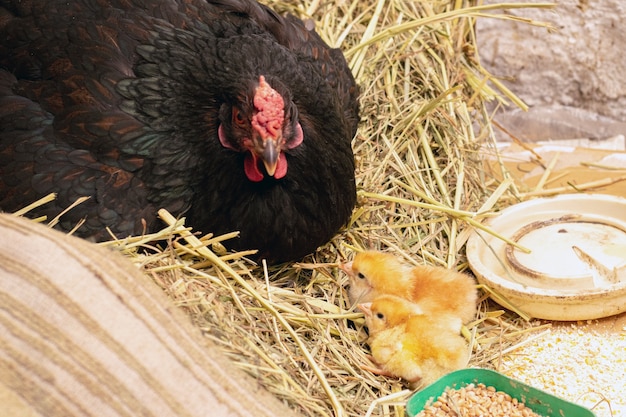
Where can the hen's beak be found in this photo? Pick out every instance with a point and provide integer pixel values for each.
(271, 152)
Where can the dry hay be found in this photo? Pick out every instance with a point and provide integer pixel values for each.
(421, 191)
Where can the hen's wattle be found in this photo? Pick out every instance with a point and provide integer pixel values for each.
(221, 111)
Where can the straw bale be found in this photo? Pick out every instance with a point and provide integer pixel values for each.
(85, 333)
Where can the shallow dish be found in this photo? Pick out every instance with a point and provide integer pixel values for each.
(576, 265)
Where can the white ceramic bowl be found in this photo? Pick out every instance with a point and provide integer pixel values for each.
(576, 267)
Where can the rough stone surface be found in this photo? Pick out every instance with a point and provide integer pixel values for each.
(577, 71)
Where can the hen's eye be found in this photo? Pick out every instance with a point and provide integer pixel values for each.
(360, 275)
(238, 117)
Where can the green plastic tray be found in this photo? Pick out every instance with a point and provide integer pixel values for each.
(539, 401)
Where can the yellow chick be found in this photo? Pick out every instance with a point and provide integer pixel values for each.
(437, 290)
(411, 345)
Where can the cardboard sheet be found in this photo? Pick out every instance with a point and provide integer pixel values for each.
(572, 167)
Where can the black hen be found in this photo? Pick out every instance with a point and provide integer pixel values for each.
(221, 111)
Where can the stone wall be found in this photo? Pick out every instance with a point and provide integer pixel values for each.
(575, 74)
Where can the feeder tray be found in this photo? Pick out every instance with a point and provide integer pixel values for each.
(537, 400)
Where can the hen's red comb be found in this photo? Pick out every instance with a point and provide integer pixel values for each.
(268, 120)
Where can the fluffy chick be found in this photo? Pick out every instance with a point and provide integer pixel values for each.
(409, 344)
(437, 290)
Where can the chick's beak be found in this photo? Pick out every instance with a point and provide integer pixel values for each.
(366, 308)
(346, 267)
(271, 152)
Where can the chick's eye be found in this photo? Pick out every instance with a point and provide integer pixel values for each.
(360, 275)
(380, 316)
(238, 117)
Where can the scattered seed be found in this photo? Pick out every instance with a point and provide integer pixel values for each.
(577, 364)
